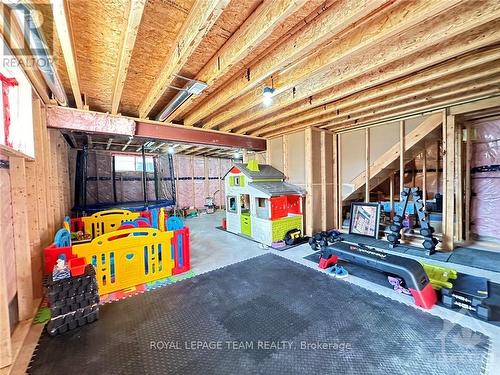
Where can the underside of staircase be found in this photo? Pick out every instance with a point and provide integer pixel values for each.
(387, 163)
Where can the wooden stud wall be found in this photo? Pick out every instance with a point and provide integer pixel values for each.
(315, 172)
(40, 195)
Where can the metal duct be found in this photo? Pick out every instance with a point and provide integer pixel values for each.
(192, 87)
(39, 49)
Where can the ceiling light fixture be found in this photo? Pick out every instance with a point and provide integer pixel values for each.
(171, 150)
(192, 87)
(268, 93)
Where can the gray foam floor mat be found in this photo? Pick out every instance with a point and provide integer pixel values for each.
(265, 315)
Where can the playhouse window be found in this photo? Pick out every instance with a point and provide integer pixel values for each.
(261, 202)
(231, 204)
(262, 208)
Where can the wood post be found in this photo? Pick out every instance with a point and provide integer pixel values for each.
(5, 340)
(367, 165)
(309, 180)
(468, 156)
(21, 237)
(339, 180)
(323, 162)
(335, 168)
(424, 175)
(458, 183)
(391, 193)
(449, 143)
(401, 156)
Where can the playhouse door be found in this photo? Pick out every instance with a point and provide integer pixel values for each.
(246, 225)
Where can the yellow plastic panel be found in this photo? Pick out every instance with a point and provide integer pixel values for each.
(128, 257)
(107, 221)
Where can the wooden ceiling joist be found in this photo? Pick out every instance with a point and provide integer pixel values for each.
(351, 51)
(365, 78)
(315, 33)
(434, 76)
(133, 21)
(266, 18)
(64, 33)
(201, 18)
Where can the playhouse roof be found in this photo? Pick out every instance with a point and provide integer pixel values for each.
(265, 171)
(276, 188)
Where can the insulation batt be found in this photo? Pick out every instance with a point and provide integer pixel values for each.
(485, 201)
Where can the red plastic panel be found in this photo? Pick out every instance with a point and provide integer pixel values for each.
(294, 204)
(279, 207)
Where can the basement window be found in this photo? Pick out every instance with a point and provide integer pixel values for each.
(130, 163)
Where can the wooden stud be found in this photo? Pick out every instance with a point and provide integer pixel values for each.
(309, 181)
(401, 156)
(424, 174)
(335, 167)
(313, 35)
(391, 193)
(458, 183)
(468, 190)
(323, 198)
(201, 18)
(339, 181)
(413, 142)
(449, 142)
(367, 165)
(5, 338)
(21, 237)
(285, 155)
(62, 22)
(134, 16)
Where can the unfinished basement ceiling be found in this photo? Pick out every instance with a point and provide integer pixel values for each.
(120, 143)
(333, 64)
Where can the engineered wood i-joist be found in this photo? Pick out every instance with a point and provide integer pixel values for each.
(13, 35)
(470, 35)
(479, 63)
(368, 47)
(261, 23)
(482, 75)
(133, 20)
(21, 237)
(64, 33)
(340, 189)
(330, 22)
(200, 20)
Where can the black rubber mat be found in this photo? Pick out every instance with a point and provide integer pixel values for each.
(266, 315)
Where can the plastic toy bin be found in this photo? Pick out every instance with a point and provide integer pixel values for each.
(77, 266)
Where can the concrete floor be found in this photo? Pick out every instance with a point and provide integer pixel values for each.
(212, 248)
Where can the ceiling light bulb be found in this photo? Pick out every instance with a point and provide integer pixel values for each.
(171, 150)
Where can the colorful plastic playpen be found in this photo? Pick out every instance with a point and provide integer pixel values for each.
(127, 248)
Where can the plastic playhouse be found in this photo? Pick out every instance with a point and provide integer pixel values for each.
(260, 204)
